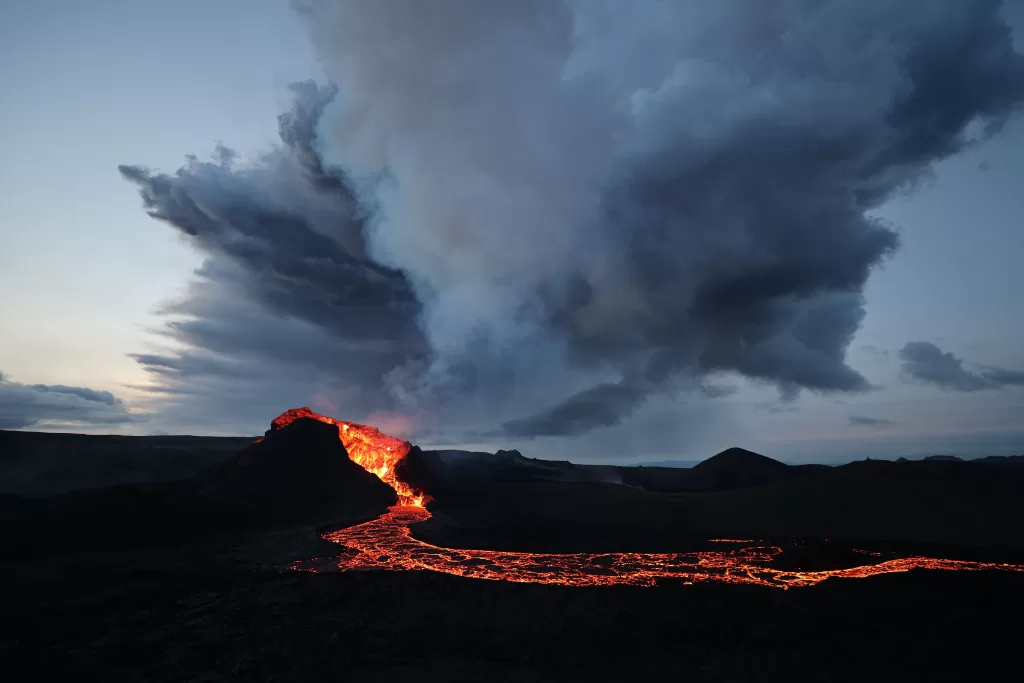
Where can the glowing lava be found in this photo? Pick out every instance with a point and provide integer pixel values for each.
(386, 543)
(367, 447)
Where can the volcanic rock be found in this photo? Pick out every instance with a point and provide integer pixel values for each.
(299, 467)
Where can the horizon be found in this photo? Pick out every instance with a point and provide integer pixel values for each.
(998, 445)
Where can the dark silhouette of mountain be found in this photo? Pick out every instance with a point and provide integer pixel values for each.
(1002, 459)
(736, 468)
(301, 466)
(941, 458)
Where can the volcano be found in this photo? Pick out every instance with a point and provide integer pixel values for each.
(366, 446)
(387, 543)
(301, 465)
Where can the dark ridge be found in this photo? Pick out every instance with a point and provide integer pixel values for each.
(39, 464)
(1002, 459)
(296, 475)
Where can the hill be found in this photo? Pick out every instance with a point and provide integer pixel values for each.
(736, 468)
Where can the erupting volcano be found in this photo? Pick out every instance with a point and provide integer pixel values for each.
(367, 447)
(387, 543)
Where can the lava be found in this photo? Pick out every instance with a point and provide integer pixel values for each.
(367, 447)
(387, 543)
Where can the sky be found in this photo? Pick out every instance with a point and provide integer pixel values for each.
(660, 255)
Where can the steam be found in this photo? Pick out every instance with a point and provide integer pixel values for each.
(539, 214)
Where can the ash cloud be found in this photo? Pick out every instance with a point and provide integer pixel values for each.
(605, 405)
(926, 363)
(539, 215)
(57, 405)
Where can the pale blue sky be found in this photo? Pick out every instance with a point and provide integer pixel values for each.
(88, 86)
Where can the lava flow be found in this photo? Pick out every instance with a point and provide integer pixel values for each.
(386, 543)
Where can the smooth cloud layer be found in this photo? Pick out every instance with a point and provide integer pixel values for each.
(541, 214)
(56, 405)
(926, 363)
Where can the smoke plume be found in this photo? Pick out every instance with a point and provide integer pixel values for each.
(539, 214)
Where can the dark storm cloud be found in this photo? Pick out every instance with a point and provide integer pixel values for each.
(862, 421)
(287, 301)
(927, 363)
(542, 216)
(32, 405)
(1003, 377)
(602, 406)
(741, 224)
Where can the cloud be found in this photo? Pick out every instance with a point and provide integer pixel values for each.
(927, 363)
(605, 405)
(542, 215)
(55, 406)
(1003, 377)
(862, 421)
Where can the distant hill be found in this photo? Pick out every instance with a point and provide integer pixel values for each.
(736, 468)
(668, 463)
(1002, 459)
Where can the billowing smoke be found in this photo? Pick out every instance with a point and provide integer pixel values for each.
(539, 214)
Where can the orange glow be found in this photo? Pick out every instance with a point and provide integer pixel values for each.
(387, 543)
(368, 447)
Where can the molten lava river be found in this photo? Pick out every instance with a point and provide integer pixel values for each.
(386, 543)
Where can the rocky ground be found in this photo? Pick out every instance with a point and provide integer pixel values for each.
(226, 609)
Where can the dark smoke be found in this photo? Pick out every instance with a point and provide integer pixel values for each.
(494, 209)
(602, 406)
(926, 363)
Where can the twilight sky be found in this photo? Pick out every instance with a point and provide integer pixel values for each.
(586, 231)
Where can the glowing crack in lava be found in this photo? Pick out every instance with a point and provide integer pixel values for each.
(386, 543)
